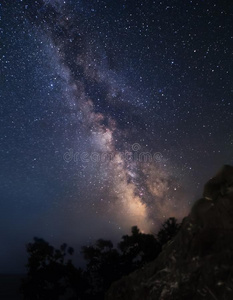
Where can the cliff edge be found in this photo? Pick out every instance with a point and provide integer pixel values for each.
(198, 262)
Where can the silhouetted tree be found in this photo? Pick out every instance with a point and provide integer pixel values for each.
(169, 229)
(103, 266)
(138, 249)
(50, 275)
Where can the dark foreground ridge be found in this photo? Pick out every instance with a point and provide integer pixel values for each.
(198, 262)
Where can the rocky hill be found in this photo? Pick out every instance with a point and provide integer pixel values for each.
(198, 262)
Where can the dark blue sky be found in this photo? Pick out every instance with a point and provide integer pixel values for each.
(99, 77)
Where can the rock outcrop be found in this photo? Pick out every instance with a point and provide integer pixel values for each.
(198, 262)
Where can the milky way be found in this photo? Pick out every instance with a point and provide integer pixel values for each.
(140, 189)
(114, 114)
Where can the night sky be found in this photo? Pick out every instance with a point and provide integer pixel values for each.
(113, 114)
